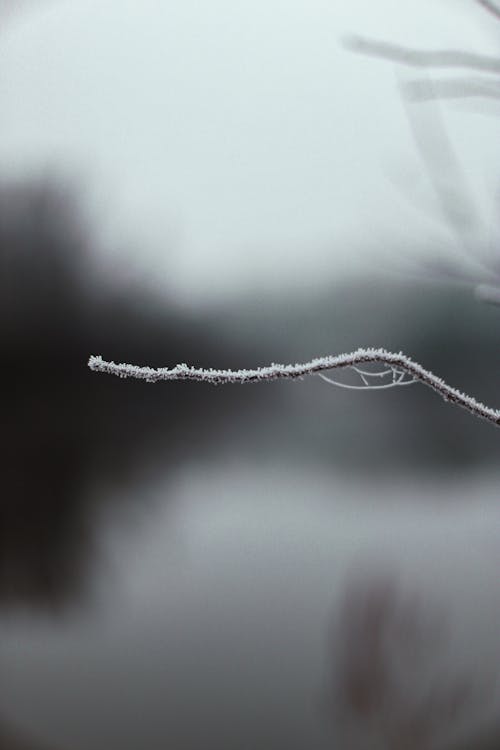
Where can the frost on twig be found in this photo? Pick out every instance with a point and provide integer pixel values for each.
(399, 370)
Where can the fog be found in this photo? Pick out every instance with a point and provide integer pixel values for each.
(239, 144)
(282, 565)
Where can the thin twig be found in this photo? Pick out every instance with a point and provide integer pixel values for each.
(381, 374)
(423, 58)
(367, 387)
(444, 169)
(315, 366)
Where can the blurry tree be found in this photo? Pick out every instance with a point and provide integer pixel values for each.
(66, 435)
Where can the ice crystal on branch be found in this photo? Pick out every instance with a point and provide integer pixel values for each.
(400, 370)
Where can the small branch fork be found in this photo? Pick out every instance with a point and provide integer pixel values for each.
(369, 383)
(401, 370)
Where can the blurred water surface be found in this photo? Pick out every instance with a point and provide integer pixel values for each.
(209, 618)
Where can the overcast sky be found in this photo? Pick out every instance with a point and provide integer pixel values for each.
(236, 143)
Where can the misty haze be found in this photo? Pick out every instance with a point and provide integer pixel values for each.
(286, 564)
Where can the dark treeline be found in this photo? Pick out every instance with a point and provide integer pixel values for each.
(67, 433)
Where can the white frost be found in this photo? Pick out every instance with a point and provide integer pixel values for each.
(399, 366)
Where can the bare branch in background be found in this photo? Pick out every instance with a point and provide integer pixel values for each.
(444, 168)
(449, 180)
(397, 363)
(490, 7)
(421, 90)
(423, 58)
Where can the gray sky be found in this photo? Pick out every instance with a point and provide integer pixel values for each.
(235, 143)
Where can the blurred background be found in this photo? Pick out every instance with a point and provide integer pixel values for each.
(281, 565)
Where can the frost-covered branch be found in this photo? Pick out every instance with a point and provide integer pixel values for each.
(399, 366)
